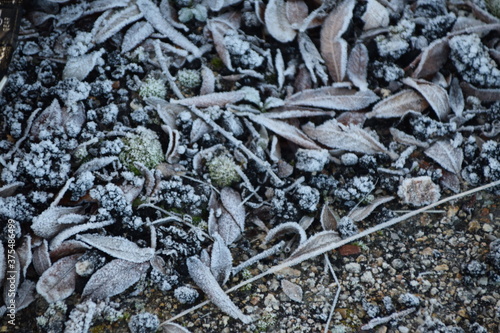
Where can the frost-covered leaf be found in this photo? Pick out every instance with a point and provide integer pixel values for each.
(219, 98)
(58, 282)
(80, 67)
(153, 16)
(49, 120)
(432, 58)
(173, 328)
(68, 248)
(277, 23)
(351, 138)
(333, 47)
(285, 228)
(111, 24)
(136, 34)
(456, 98)
(435, 95)
(9, 189)
(77, 229)
(398, 105)
(485, 95)
(204, 279)
(375, 15)
(447, 156)
(312, 58)
(41, 258)
(290, 114)
(118, 247)
(114, 278)
(285, 130)
(450, 181)
(219, 28)
(328, 218)
(221, 260)
(360, 213)
(419, 191)
(231, 200)
(314, 244)
(333, 98)
(296, 12)
(407, 139)
(24, 254)
(292, 290)
(47, 224)
(95, 164)
(207, 81)
(25, 294)
(357, 66)
(198, 130)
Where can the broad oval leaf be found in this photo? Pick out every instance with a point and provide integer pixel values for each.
(447, 156)
(221, 260)
(277, 23)
(173, 328)
(296, 12)
(114, 278)
(432, 58)
(204, 279)
(292, 290)
(41, 257)
(118, 247)
(328, 218)
(435, 95)
(398, 105)
(357, 66)
(375, 16)
(58, 282)
(231, 200)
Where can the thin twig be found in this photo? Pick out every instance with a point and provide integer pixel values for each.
(337, 294)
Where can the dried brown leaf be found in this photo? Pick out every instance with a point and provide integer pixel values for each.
(173, 328)
(375, 16)
(118, 247)
(357, 66)
(41, 258)
(312, 58)
(277, 23)
(447, 156)
(296, 12)
(333, 98)
(485, 95)
(435, 95)
(112, 24)
(433, 58)
(231, 201)
(315, 243)
(407, 139)
(285, 130)
(350, 138)
(219, 28)
(58, 282)
(456, 98)
(398, 105)
(333, 47)
(24, 254)
(328, 218)
(419, 191)
(219, 98)
(114, 278)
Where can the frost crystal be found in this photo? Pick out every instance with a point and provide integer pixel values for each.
(409, 300)
(189, 78)
(153, 88)
(112, 199)
(222, 170)
(186, 295)
(144, 148)
(308, 198)
(144, 323)
(310, 160)
(346, 227)
(473, 62)
(419, 191)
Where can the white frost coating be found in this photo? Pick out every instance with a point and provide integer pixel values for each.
(152, 14)
(204, 279)
(286, 227)
(277, 23)
(118, 247)
(221, 261)
(311, 160)
(419, 191)
(80, 67)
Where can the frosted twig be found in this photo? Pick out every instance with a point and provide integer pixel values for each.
(382, 320)
(264, 254)
(164, 67)
(337, 294)
(237, 143)
(62, 192)
(29, 123)
(299, 259)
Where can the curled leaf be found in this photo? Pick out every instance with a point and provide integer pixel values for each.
(292, 290)
(277, 23)
(398, 105)
(286, 227)
(447, 156)
(118, 247)
(434, 94)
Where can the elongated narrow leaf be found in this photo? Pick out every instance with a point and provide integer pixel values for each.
(333, 47)
(398, 105)
(58, 282)
(118, 247)
(204, 279)
(277, 23)
(456, 97)
(80, 67)
(221, 261)
(231, 200)
(433, 58)
(333, 98)
(447, 156)
(327, 218)
(312, 58)
(153, 16)
(219, 28)
(407, 139)
(435, 95)
(286, 130)
(135, 35)
(357, 66)
(41, 258)
(315, 243)
(114, 278)
(350, 138)
(114, 23)
(485, 95)
(220, 99)
(360, 213)
(24, 254)
(284, 228)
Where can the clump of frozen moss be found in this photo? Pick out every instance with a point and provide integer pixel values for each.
(153, 87)
(143, 147)
(189, 78)
(494, 7)
(186, 295)
(222, 170)
(473, 62)
(144, 323)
